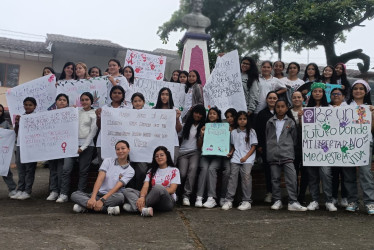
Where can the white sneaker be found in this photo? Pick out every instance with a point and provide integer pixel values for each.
(227, 205)
(277, 205)
(222, 201)
(24, 196)
(52, 196)
(79, 209)
(186, 202)
(334, 201)
(147, 212)
(16, 195)
(114, 210)
(245, 205)
(210, 203)
(199, 201)
(330, 206)
(296, 207)
(62, 198)
(12, 193)
(344, 202)
(127, 207)
(268, 197)
(313, 206)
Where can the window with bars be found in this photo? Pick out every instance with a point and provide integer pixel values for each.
(9, 75)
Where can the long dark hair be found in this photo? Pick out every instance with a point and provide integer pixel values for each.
(198, 80)
(2, 116)
(248, 127)
(121, 89)
(132, 78)
(317, 75)
(171, 78)
(343, 79)
(50, 69)
(252, 72)
(63, 75)
(294, 63)
(312, 102)
(367, 98)
(218, 113)
(182, 72)
(333, 79)
(159, 102)
(128, 146)
(94, 67)
(187, 126)
(154, 166)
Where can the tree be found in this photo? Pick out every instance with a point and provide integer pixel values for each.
(254, 26)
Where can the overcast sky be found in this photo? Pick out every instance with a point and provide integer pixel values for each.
(132, 24)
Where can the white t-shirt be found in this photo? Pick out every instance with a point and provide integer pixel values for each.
(294, 85)
(188, 99)
(190, 143)
(165, 177)
(272, 84)
(242, 147)
(115, 173)
(279, 127)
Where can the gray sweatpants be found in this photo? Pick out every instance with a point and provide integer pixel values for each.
(246, 178)
(158, 198)
(315, 175)
(188, 164)
(26, 173)
(55, 174)
(81, 198)
(207, 162)
(9, 181)
(212, 177)
(290, 179)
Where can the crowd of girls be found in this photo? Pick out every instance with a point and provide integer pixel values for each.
(268, 132)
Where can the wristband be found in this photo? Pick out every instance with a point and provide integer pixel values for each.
(102, 200)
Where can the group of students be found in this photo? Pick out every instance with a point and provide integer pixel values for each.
(270, 127)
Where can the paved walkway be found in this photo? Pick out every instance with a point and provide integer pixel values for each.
(39, 224)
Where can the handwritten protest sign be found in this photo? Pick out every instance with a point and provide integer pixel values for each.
(143, 129)
(49, 135)
(150, 89)
(42, 89)
(224, 87)
(7, 139)
(216, 139)
(97, 86)
(145, 65)
(336, 136)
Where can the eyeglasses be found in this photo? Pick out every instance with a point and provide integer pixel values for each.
(336, 94)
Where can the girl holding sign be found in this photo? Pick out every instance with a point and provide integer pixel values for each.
(243, 153)
(94, 71)
(159, 186)
(115, 77)
(86, 133)
(81, 71)
(68, 72)
(26, 171)
(107, 196)
(360, 95)
(318, 99)
(189, 153)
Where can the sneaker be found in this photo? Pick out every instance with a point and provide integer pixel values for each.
(62, 198)
(344, 202)
(186, 202)
(210, 203)
(52, 196)
(147, 212)
(16, 195)
(352, 207)
(313, 206)
(268, 197)
(199, 201)
(127, 207)
(12, 193)
(370, 209)
(114, 210)
(277, 205)
(24, 196)
(334, 201)
(330, 206)
(79, 209)
(296, 207)
(227, 205)
(222, 201)
(245, 205)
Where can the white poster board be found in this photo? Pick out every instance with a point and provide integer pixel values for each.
(143, 129)
(49, 135)
(146, 65)
(97, 86)
(336, 136)
(224, 87)
(42, 89)
(7, 139)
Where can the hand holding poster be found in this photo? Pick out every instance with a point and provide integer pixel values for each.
(7, 139)
(97, 86)
(216, 139)
(49, 135)
(42, 89)
(224, 87)
(336, 136)
(145, 65)
(143, 129)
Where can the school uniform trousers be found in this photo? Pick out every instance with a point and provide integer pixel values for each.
(81, 198)
(26, 173)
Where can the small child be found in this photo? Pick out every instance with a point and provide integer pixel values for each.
(243, 152)
(281, 136)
